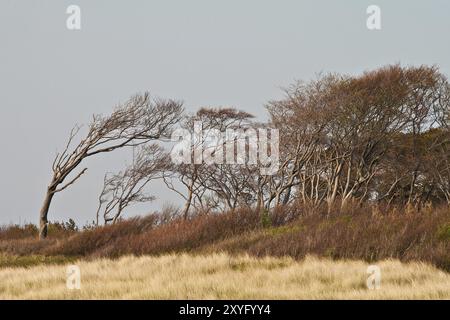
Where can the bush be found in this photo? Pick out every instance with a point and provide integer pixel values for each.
(368, 232)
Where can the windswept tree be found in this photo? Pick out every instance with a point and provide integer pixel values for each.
(380, 136)
(138, 121)
(213, 185)
(301, 117)
(127, 187)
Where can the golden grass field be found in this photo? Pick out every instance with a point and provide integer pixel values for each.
(220, 276)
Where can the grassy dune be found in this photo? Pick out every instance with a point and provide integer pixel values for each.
(221, 276)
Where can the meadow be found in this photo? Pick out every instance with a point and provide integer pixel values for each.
(296, 253)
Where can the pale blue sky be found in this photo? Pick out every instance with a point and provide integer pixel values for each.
(207, 53)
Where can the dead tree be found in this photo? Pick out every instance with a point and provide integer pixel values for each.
(133, 123)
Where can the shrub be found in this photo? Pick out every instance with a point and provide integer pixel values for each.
(359, 232)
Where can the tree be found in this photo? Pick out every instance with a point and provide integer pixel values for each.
(133, 123)
(208, 185)
(128, 186)
(381, 136)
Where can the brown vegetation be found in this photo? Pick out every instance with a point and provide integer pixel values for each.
(368, 233)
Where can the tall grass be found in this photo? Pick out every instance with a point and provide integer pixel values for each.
(221, 276)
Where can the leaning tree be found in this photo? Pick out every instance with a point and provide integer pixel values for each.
(136, 122)
(127, 187)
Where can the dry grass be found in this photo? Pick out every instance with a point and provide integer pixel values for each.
(221, 276)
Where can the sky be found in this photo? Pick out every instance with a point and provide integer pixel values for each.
(203, 52)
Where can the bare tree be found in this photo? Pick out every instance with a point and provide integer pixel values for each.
(382, 135)
(207, 185)
(128, 187)
(137, 121)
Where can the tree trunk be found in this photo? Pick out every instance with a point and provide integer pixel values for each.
(287, 196)
(187, 205)
(43, 222)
